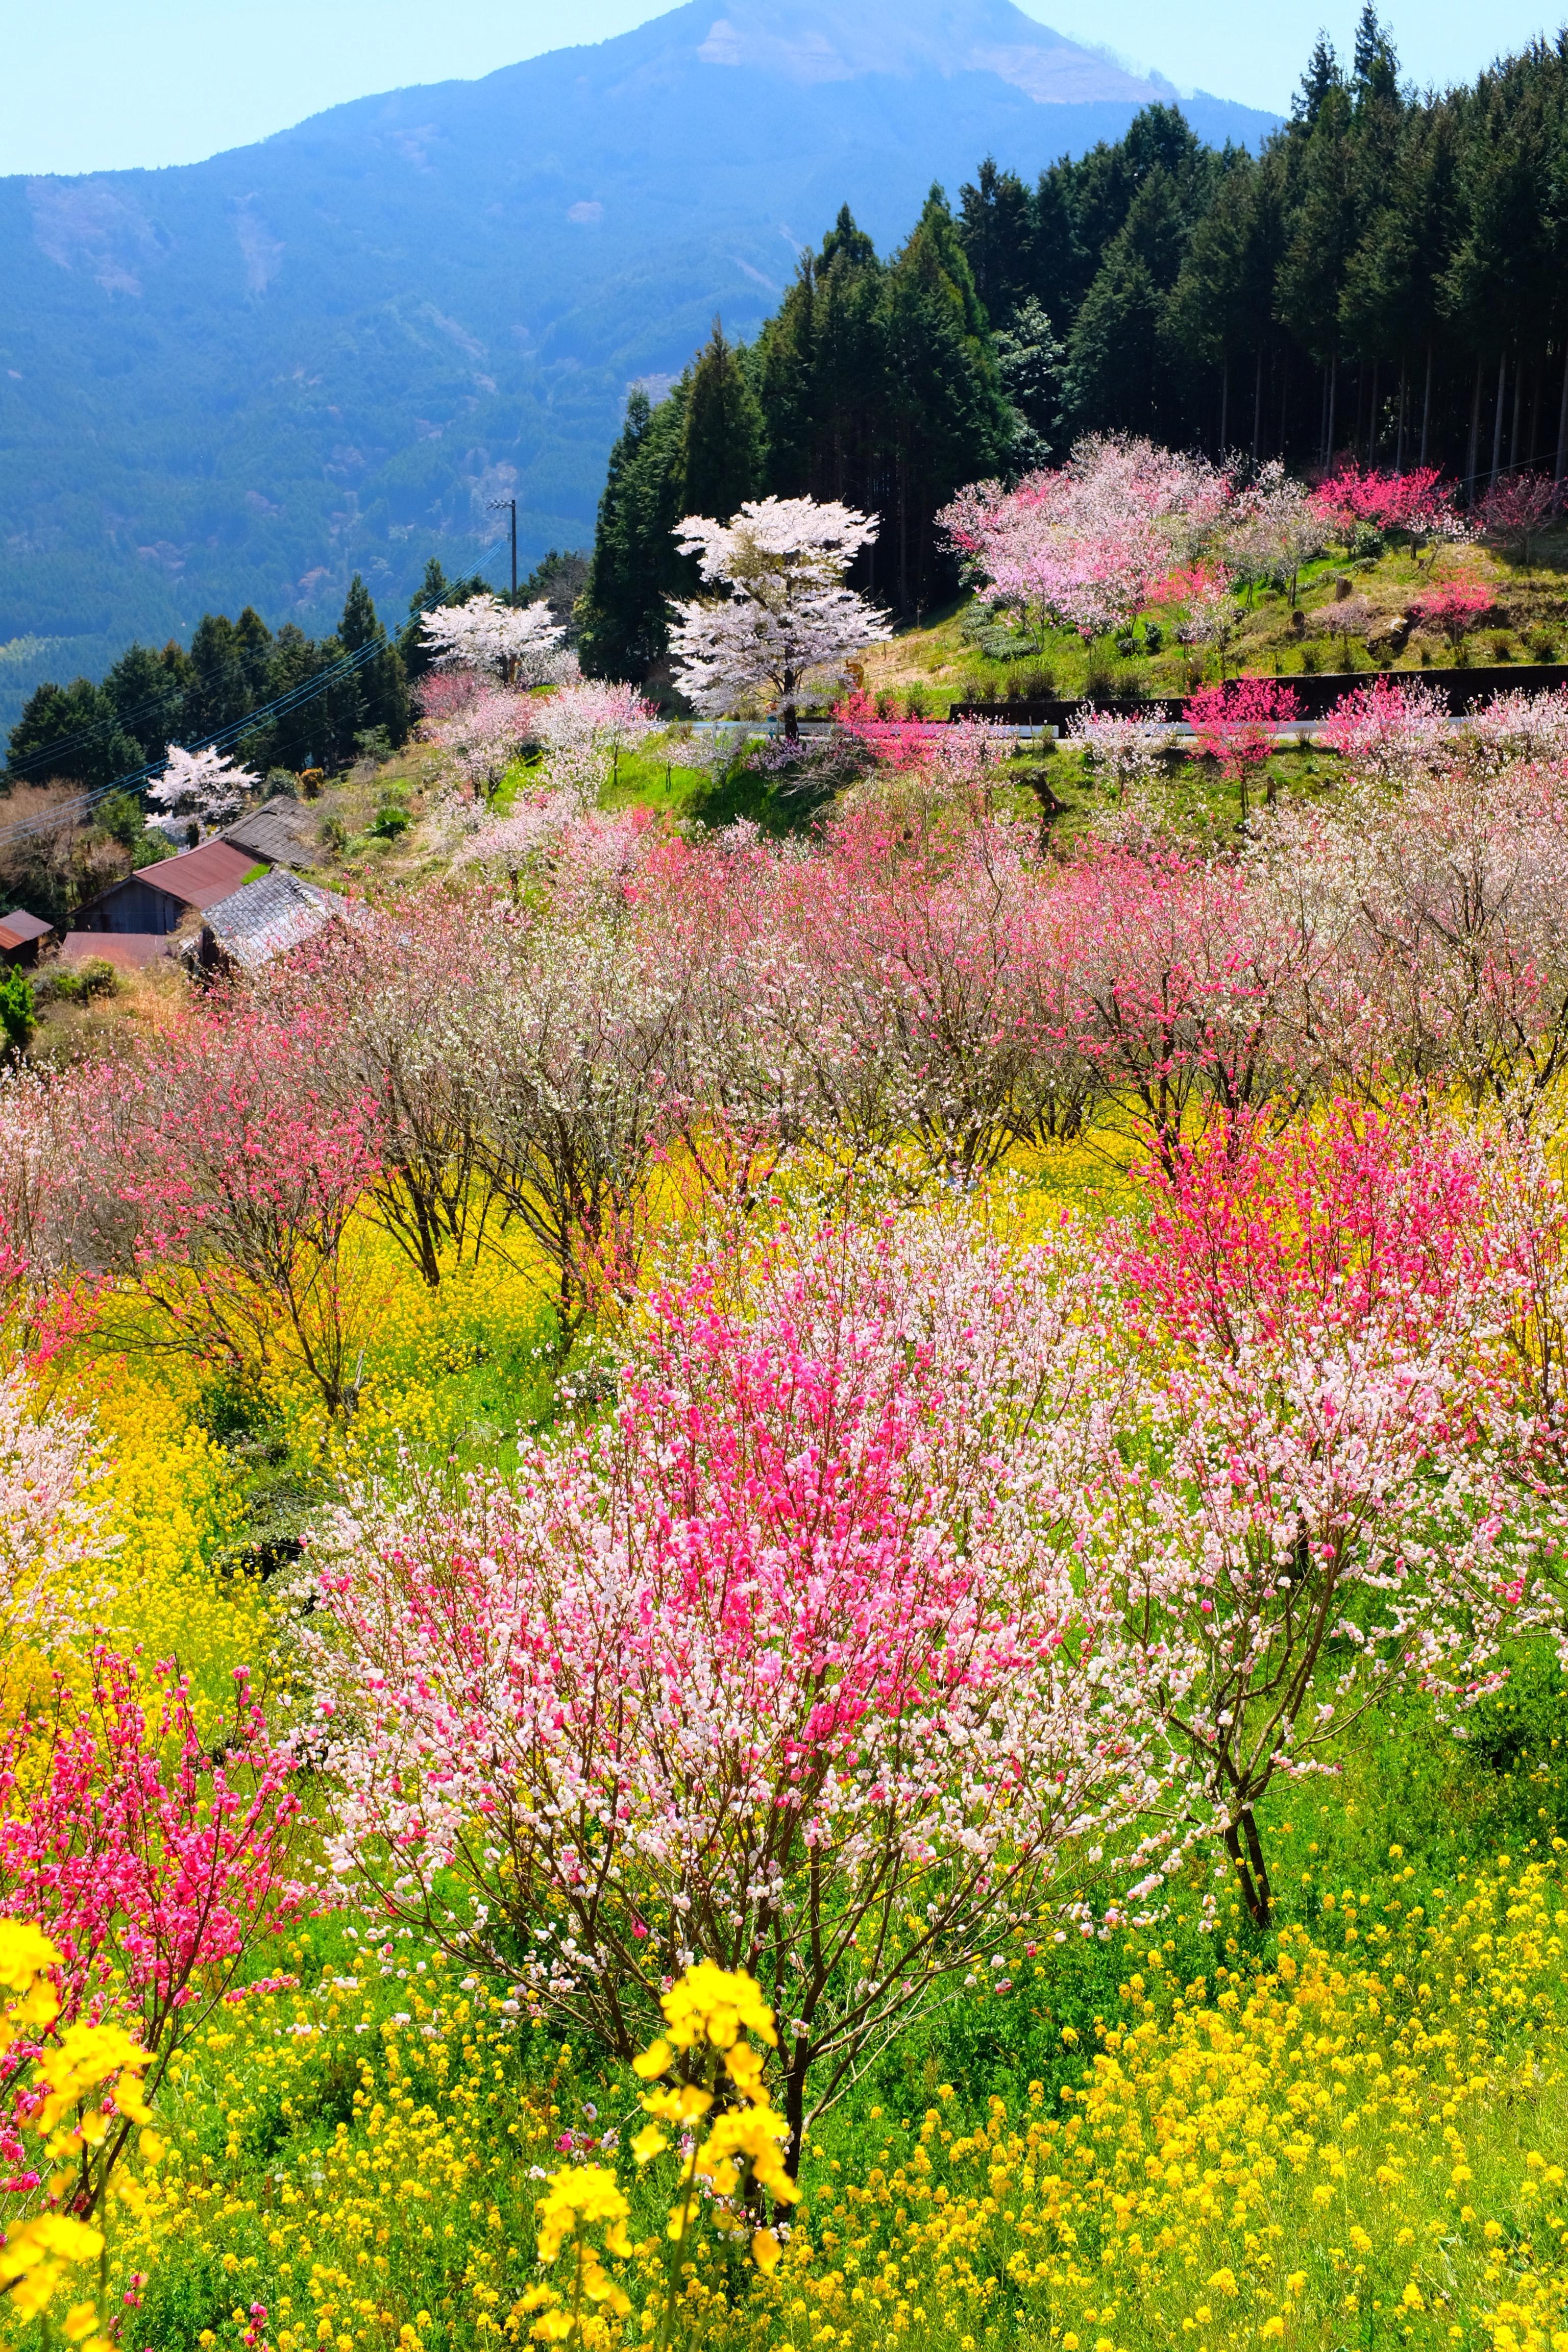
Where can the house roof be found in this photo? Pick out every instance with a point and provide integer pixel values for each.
(127, 950)
(198, 878)
(280, 831)
(265, 918)
(18, 927)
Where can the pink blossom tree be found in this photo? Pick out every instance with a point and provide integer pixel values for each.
(1417, 504)
(233, 1173)
(1456, 609)
(1516, 511)
(155, 1868)
(730, 1681)
(1236, 724)
(1327, 1518)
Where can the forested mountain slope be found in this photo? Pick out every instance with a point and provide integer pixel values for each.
(239, 382)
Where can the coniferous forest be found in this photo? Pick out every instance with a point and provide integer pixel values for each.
(1389, 276)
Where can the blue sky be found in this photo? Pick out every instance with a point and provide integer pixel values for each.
(94, 84)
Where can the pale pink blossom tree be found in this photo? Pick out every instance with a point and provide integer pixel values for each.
(483, 731)
(1271, 528)
(53, 1540)
(1083, 546)
(585, 727)
(1392, 731)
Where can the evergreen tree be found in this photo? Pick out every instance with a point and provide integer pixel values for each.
(220, 688)
(72, 732)
(636, 566)
(996, 229)
(1323, 75)
(1376, 66)
(722, 441)
(148, 690)
(948, 416)
(382, 688)
(1029, 364)
(560, 580)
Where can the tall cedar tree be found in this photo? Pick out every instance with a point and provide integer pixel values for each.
(722, 446)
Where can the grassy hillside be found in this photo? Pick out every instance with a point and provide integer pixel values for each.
(1346, 616)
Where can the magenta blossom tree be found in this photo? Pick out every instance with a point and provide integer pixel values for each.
(1235, 725)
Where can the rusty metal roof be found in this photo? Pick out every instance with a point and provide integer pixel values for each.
(199, 878)
(18, 927)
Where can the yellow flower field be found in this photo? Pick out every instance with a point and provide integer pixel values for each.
(1359, 2138)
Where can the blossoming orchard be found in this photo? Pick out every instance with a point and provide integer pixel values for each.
(784, 1559)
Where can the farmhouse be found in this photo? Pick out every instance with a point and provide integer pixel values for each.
(156, 899)
(262, 919)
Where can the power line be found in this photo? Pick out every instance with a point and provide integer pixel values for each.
(223, 739)
(82, 736)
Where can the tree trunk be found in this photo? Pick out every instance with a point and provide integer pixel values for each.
(794, 2106)
(1258, 403)
(1518, 404)
(1251, 1869)
(1497, 419)
(1475, 438)
(1399, 444)
(1333, 404)
(1563, 419)
(1223, 402)
(1372, 435)
(1427, 403)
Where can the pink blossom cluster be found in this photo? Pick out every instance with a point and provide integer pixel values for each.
(153, 1867)
(1416, 502)
(1083, 546)
(1455, 608)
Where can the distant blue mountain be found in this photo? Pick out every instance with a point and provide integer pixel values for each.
(240, 381)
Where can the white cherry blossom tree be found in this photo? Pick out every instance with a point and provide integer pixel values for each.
(787, 615)
(522, 645)
(204, 785)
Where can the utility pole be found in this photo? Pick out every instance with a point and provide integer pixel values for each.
(512, 504)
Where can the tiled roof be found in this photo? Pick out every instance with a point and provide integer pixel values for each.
(200, 877)
(127, 950)
(262, 919)
(280, 831)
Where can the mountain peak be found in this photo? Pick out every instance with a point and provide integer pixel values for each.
(814, 41)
